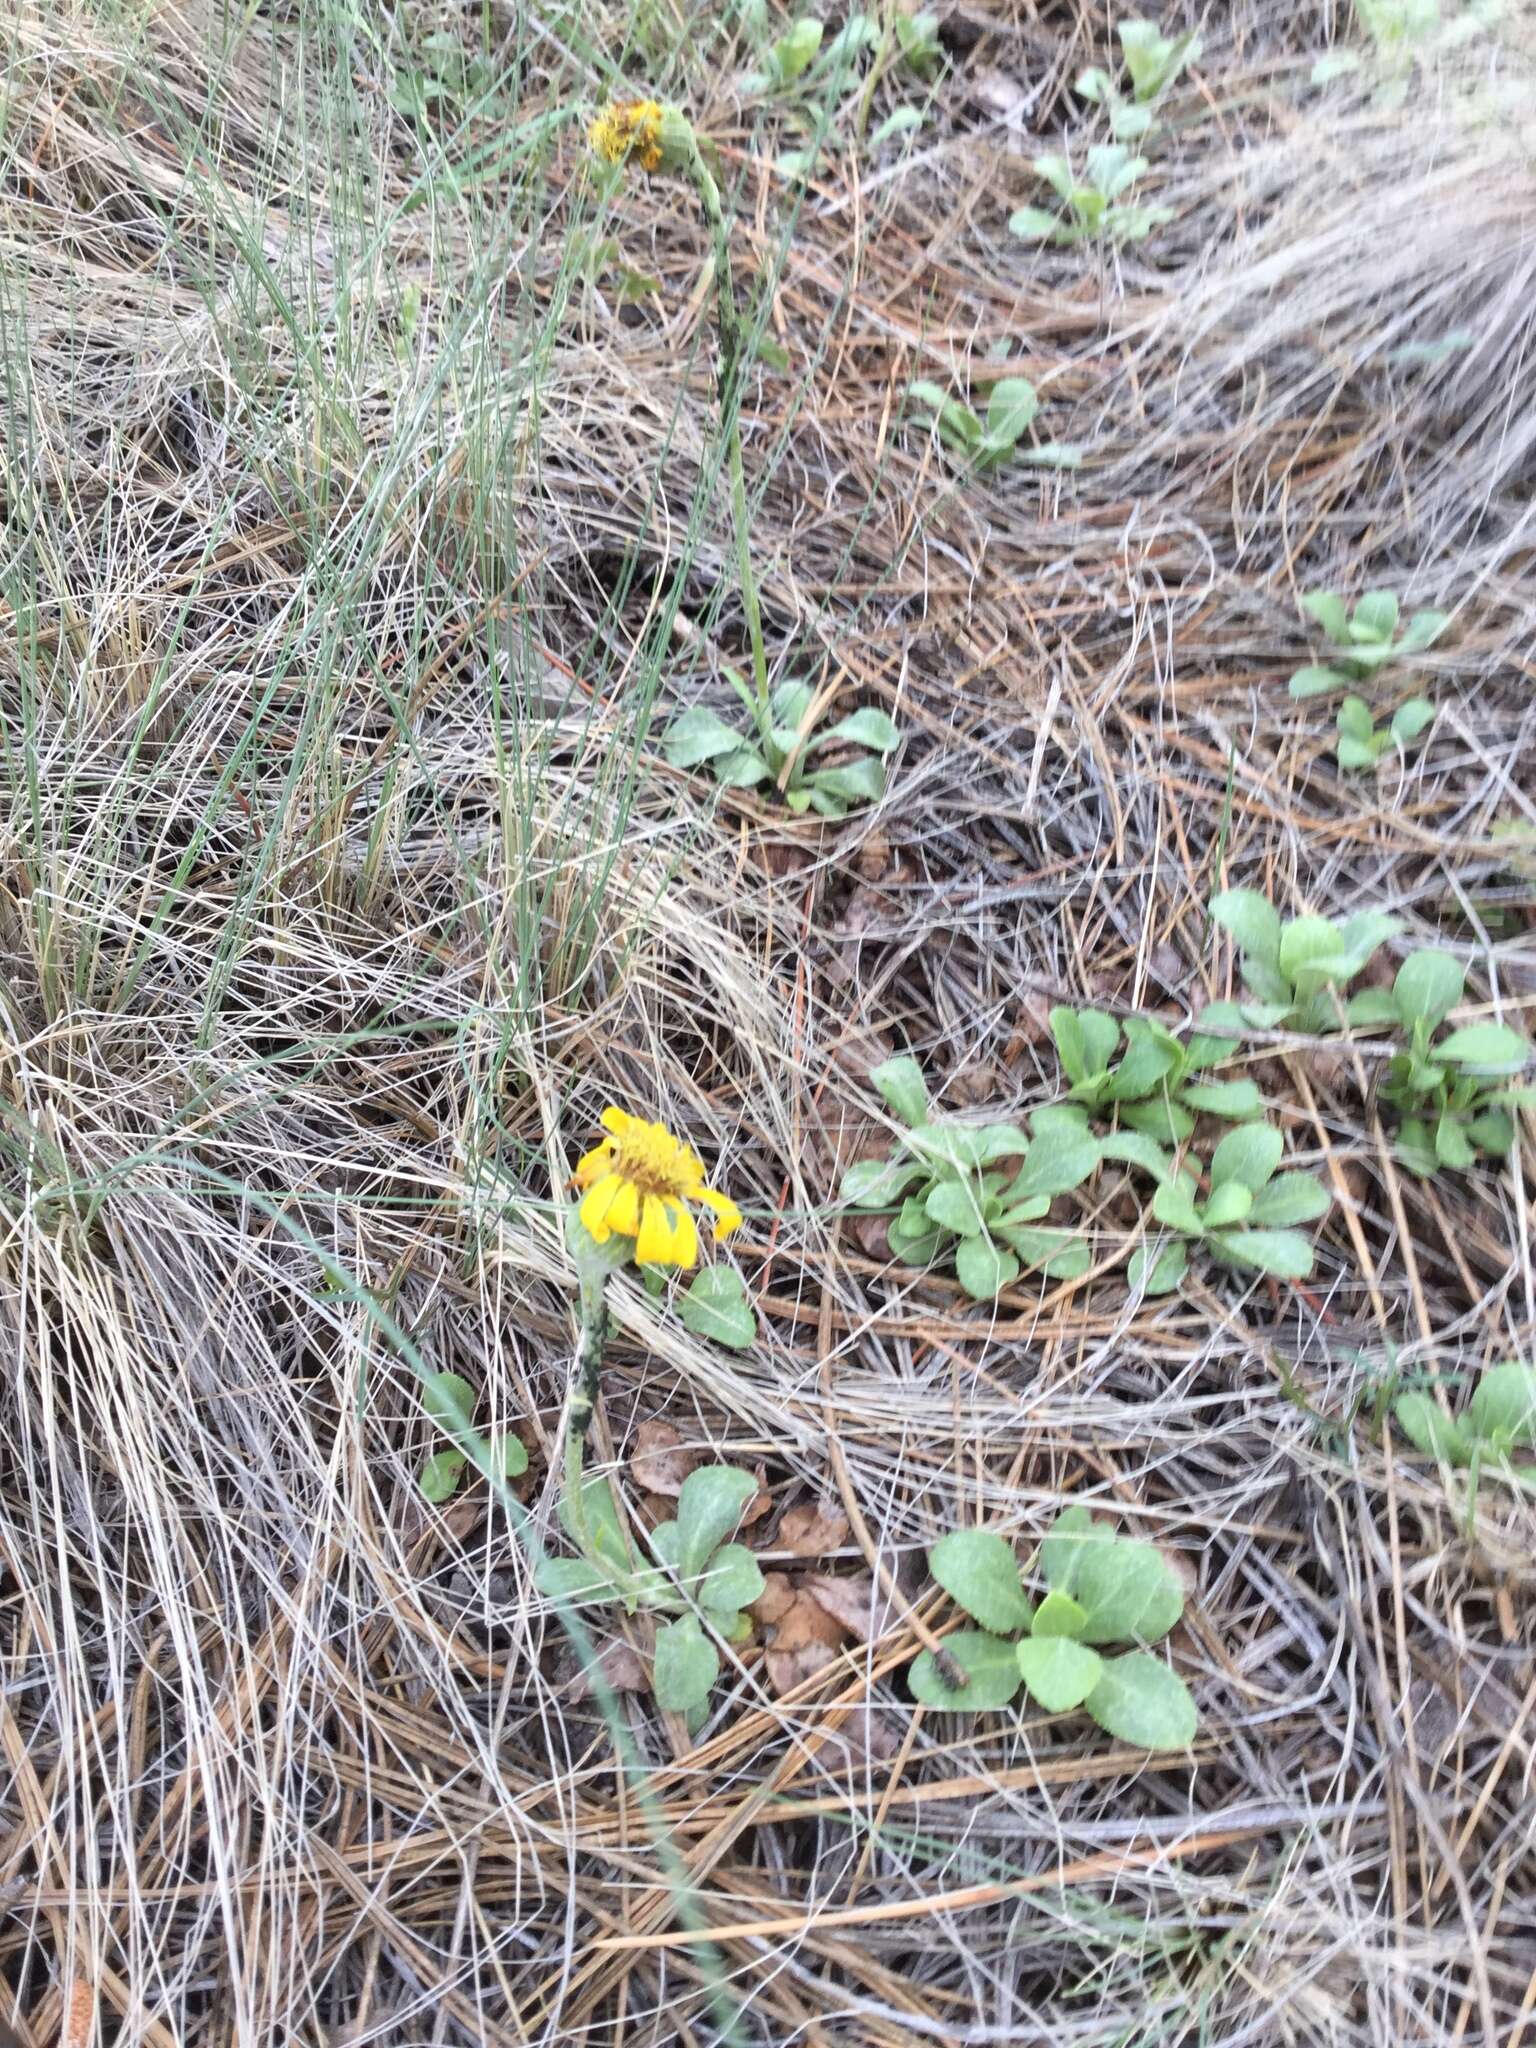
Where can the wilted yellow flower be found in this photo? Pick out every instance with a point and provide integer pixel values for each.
(629, 128)
(638, 1183)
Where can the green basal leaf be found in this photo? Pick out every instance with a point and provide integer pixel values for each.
(513, 1456)
(1056, 1160)
(449, 1401)
(1411, 719)
(1492, 1131)
(911, 1236)
(1371, 1008)
(1249, 1156)
(865, 728)
(1054, 455)
(1059, 1615)
(1364, 935)
(1311, 953)
(1416, 1148)
(716, 1306)
(1139, 1700)
(1058, 1674)
(697, 736)
(1355, 721)
(1032, 224)
(686, 1665)
(1285, 1253)
(1011, 406)
(1493, 1048)
(983, 1268)
(1292, 1198)
(1374, 618)
(1358, 754)
(1251, 919)
(1128, 1590)
(878, 1183)
(1504, 1404)
(989, 1664)
(1158, 1270)
(572, 1578)
(733, 1581)
(1062, 1547)
(1174, 1207)
(1428, 984)
(1228, 1204)
(1134, 1148)
(1056, 171)
(711, 1503)
(1453, 1148)
(978, 1570)
(440, 1476)
(1315, 680)
(861, 780)
(954, 1205)
(903, 1090)
(1166, 1123)
(743, 768)
(1422, 630)
(1232, 1100)
(605, 1531)
(1430, 1430)
(1330, 612)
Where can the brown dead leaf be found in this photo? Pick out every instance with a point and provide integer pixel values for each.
(856, 1603)
(802, 1638)
(811, 1531)
(760, 1503)
(658, 1463)
(864, 1738)
(619, 1664)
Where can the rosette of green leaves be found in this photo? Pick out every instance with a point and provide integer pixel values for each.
(1246, 1220)
(1154, 1086)
(1154, 62)
(1499, 1420)
(787, 755)
(449, 1401)
(1092, 208)
(1102, 1589)
(952, 1199)
(700, 1576)
(984, 443)
(1455, 1095)
(1363, 641)
(1296, 970)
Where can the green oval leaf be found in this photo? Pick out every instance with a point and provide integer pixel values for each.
(686, 1665)
(1058, 1674)
(450, 1402)
(716, 1306)
(1505, 1403)
(1127, 1589)
(978, 1570)
(1138, 1699)
(989, 1664)
(441, 1474)
(1059, 1615)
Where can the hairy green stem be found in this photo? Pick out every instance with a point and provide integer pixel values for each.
(733, 360)
(584, 1391)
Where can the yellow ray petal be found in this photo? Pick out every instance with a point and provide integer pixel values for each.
(593, 1165)
(596, 1203)
(624, 1210)
(727, 1215)
(616, 1120)
(685, 1234)
(653, 1245)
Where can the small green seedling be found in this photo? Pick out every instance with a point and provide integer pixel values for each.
(1246, 1220)
(1093, 208)
(450, 1404)
(1011, 407)
(1499, 1418)
(1361, 745)
(1154, 62)
(949, 1198)
(786, 756)
(1153, 1088)
(1101, 1589)
(917, 38)
(700, 1577)
(1454, 1094)
(1363, 640)
(1297, 970)
(786, 61)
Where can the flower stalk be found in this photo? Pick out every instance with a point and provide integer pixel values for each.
(663, 139)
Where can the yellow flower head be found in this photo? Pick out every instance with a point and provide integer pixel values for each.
(629, 128)
(638, 1183)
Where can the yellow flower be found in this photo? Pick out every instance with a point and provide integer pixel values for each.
(638, 1183)
(629, 128)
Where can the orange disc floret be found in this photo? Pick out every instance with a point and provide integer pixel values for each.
(629, 128)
